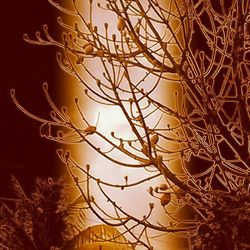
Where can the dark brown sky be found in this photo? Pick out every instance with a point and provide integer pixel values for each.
(25, 67)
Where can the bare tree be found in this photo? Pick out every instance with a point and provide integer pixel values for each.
(201, 48)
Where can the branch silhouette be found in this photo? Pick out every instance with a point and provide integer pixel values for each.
(202, 49)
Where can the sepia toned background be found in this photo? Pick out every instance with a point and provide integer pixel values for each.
(25, 67)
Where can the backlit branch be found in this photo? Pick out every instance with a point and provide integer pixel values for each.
(197, 143)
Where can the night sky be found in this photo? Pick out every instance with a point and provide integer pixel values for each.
(25, 67)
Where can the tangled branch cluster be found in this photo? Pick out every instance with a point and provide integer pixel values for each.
(199, 142)
(46, 219)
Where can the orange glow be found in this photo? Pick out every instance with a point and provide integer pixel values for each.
(108, 119)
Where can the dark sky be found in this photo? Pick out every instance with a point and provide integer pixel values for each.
(25, 67)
